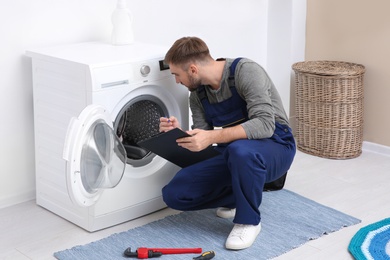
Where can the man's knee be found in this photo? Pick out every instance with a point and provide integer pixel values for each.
(168, 197)
(237, 150)
(171, 196)
(243, 153)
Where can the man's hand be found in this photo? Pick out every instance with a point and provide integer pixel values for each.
(168, 123)
(199, 140)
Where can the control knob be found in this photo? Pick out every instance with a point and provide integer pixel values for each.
(145, 70)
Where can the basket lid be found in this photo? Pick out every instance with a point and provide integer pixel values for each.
(329, 68)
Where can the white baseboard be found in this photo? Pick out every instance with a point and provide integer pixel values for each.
(376, 148)
(17, 198)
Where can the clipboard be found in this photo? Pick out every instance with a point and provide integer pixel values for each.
(164, 144)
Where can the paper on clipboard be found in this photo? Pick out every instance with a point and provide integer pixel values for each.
(164, 144)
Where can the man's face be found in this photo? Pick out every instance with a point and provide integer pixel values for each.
(188, 78)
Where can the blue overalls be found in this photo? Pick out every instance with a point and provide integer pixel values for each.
(234, 179)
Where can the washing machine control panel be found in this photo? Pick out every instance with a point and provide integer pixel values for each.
(127, 74)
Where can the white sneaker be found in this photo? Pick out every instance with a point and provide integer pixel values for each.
(242, 236)
(226, 212)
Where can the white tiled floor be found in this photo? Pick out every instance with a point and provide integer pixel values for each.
(359, 187)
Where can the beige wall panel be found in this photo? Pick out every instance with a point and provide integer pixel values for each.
(356, 31)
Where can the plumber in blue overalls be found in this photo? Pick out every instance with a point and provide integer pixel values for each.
(235, 105)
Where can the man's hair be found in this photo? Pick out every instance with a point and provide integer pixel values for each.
(187, 50)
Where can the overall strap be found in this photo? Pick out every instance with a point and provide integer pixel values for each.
(201, 93)
(232, 83)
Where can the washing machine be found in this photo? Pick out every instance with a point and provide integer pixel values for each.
(93, 102)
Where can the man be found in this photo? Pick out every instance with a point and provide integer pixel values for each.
(244, 115)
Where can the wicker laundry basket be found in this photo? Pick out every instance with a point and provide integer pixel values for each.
(329, 108)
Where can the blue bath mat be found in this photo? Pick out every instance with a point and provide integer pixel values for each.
(288, 221)
(372, 241)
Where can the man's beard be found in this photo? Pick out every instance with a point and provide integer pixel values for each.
(194, 83)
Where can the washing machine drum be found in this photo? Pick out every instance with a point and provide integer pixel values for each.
(140, 121)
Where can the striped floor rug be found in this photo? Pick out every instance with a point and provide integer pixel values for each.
(372, 241)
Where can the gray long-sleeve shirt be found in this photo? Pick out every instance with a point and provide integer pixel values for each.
(253, 84)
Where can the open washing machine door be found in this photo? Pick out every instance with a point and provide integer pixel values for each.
(96, 158)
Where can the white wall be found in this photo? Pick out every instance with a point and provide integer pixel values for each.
(285, 43)
(230, 27)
